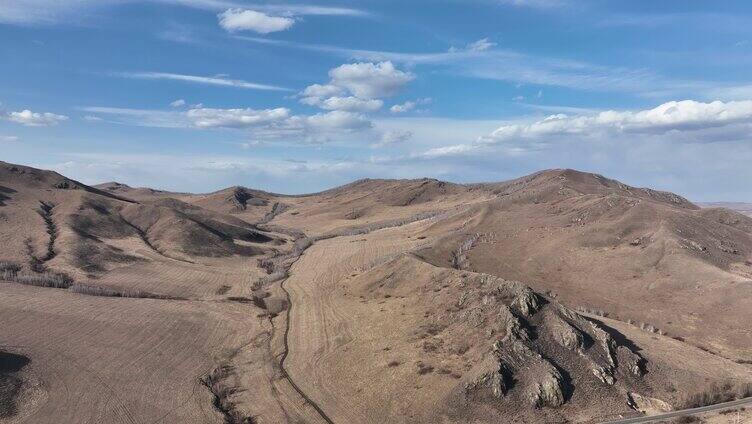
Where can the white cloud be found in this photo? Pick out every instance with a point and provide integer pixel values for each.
(235, 118)
(141, 117)
(409, 105)
(325, 90)
(251, 20)
(263, 124)
(476, 46)
(9, 138)
(481, 45)
(215, 80)
(370, 80)
(675, 117)
(178, 103)
(92, 118)
(456, 150)
(393, 137)
(35, 119)
(338, 120)
(351, 104)
(404, 107)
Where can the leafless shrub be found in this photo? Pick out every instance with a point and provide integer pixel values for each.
(268, 279)
(375, 226)
(717, 393)
(277, 209)
(45, 279)
(114, 292)
(267, 264)
(216, 382)
(10, 267)
(686, 419)
(459, 257)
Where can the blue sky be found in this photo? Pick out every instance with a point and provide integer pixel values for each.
(197, 95)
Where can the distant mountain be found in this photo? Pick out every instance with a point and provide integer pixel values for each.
(743, 208)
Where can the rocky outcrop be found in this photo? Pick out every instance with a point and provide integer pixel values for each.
(529, 330)
(547, 391)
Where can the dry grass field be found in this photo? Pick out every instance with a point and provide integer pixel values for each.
(557, 297)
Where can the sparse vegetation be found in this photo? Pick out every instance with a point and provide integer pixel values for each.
(9, 267)
(686, 419)
(116, 292)
(44, 279)
(375, 226)
(277, 209)
(717, 393)
(459, 257)
(216, 382)
(424, 369)
(45, 211)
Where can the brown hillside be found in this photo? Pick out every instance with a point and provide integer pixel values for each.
(636, 253)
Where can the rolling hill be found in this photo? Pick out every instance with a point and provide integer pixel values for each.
(561, 296)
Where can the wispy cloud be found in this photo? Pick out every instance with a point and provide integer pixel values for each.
(214, 80)
(27, 12)
(277, 124)
(515, 67)
(534, 3)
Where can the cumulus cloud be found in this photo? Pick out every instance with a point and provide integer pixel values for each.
(675, 116)
(322, 90)
(35, 119)
(178, 103)
(251, 20)
(366, 82)
(370, 80)
(235, 118)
